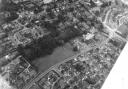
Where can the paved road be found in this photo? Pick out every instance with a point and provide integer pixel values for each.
(41, 74)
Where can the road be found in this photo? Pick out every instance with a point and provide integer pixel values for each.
(41, 74)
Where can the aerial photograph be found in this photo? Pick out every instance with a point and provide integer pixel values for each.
(60, 44)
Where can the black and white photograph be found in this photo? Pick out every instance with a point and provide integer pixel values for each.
(63, 44)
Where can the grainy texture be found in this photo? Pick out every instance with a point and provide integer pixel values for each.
(88, 34)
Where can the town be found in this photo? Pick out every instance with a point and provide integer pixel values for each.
(60, 44)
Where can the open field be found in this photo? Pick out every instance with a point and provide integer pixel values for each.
(59, 54)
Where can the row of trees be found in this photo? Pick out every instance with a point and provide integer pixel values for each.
(46, 45)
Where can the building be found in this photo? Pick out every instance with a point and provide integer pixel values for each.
(18, 72)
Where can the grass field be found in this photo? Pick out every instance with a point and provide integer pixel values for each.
(59, 54)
